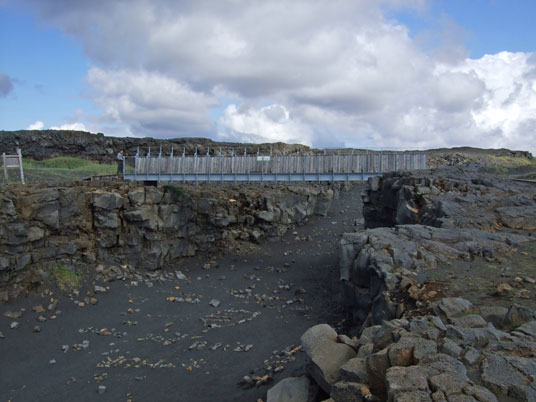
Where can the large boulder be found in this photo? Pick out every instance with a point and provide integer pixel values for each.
(291, 389)
(326, 355)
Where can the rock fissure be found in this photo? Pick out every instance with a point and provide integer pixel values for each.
(420, 332)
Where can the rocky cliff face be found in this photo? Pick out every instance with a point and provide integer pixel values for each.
(418, 221)
(433, 237)
(43, 144)
(146, 227)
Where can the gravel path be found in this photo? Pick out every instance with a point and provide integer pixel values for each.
(169, 338)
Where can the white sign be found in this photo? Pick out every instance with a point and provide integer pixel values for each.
(263, 158)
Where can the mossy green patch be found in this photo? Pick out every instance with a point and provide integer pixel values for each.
(65, 278)
(176, 191)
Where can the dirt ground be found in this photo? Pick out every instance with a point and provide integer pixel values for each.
(483, 281)
(162, 338)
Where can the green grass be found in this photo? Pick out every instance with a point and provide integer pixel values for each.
(65, 278)
(512, 167)
(513, 162)
(61, 169)
(71, 165)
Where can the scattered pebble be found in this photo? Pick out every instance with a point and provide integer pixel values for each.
(214, 303)
(38, 309)
(13, 315)
(99, 289)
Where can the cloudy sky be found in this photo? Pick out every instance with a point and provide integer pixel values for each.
(355, 73)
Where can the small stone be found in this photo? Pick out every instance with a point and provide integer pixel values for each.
(450, 348)
(36, 329)
(93, 301)
(180, 276)
(13, 315)
(471, 356)
(214, 303)
(52, 361)
(41, 318)
(2, 335)
(38, 309)
(99, 289)
(15, 324)
(504, 289)
(528, 279)
(101, 389)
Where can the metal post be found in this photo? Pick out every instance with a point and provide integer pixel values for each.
(208, 165)
(233, 163)
(182, 165)
(147, 163)
(19, 154)
(195, 165)
(380, 163)
(159, 162)
(347, 168)
(4, 165)
(304, 164)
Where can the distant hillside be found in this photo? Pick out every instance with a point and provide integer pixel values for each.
(44, 144)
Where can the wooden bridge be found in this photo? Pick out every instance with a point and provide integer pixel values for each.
(254, 168)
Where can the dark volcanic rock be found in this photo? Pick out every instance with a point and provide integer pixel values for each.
(142, 226)
(43, 144)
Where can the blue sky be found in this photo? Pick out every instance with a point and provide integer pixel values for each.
(48, 70)
(490, 26)
(237, 85)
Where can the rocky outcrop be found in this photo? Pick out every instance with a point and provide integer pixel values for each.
(142, 226)
(44, 144)
(377, 265)
(413, 344)
(446, 355)
(420, 220)
(448, 198)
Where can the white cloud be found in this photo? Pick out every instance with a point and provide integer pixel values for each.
(70, 126)
(271, 123)
(151, 104)
(333, 72)
(38, 125)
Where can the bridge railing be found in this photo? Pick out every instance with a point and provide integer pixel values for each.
(284, 164)
(273, 167)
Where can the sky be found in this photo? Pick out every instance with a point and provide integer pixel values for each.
(398, 74)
